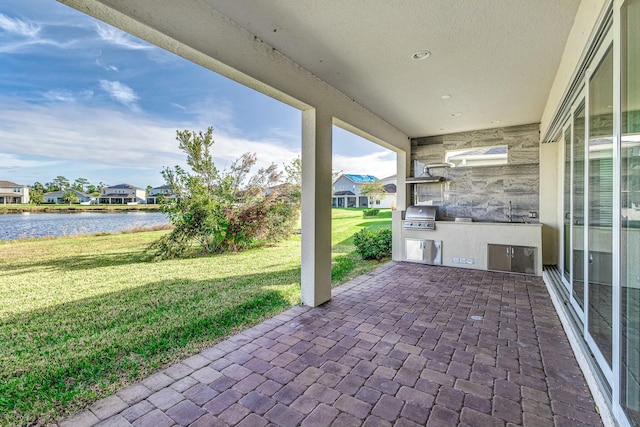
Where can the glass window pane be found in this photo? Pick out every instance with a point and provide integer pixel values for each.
(600, 152)
(630, 212)
(579, 129)
(567, 205)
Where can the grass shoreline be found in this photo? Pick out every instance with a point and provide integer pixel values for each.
(25, 208)
(81, 317)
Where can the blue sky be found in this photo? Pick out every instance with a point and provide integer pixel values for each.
(80, 98)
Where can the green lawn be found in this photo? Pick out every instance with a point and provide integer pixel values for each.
(81, 317)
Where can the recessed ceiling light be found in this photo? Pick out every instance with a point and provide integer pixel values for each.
(495, 121)
(445, 96)
(456, 114)
(420, 55)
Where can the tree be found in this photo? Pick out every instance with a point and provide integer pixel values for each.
(223, 210)
(373, 191)
(335, 175)
(50, 186)
(70, 197)
(79, 183)
(61, 182)
(37, 186)
(36, 197)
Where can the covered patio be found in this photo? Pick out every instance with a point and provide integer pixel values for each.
(555, 82)
(407, 345)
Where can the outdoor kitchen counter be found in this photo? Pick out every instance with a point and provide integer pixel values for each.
(464, 244)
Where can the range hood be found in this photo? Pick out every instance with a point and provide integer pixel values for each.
(420, 179)
(426, 174)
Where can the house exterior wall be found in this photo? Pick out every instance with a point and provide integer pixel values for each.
(595, 157)
(14, 194)
(345, 184)
(136, 193)
(57, 196)
(387, 202)
(589, 14)
(549, 178)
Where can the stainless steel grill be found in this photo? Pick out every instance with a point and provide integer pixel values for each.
(420, 217)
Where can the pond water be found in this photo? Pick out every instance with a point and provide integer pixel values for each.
(22, 226)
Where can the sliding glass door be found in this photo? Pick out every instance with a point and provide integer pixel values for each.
(601, 208)
(630, 212)
(600, 211)
(577, 202)
(566, 208)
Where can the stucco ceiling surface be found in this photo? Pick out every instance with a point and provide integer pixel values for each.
(496, 59)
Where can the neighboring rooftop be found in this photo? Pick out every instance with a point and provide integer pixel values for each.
(9, 184)
(128, 186)
(361, 178)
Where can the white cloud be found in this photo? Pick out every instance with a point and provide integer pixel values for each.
(109, 145)
(56, 95)
(107, 67)
(109, 138)
(21, 46)
(120, 92)
(19, 27)
(11, 161)
(380, 164)
(21, 35)
(119, 38)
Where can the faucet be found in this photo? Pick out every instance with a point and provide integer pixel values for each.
(510, 212)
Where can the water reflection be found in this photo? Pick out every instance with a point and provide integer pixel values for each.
(22, 226)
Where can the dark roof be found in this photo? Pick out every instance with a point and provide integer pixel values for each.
(162, 187)
(390, 188)
(9, 184)
(344, 193)
(129, 186)
(361, 178)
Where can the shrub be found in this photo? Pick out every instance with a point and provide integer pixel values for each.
(225, 210)
(370, 212)
(373, 244)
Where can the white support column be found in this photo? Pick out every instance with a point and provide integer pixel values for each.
(402, 166)
(316, 207)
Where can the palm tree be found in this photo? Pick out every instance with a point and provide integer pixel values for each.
(70, 197)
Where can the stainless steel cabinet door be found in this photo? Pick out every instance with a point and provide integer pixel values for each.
(499, 257)
(414, 250)
(523, 260)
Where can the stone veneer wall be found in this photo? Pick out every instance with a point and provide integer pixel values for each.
(482, 192)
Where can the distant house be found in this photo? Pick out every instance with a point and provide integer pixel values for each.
(164, 190)
(389, 198)
(12, 193)
(346, 191)
(122, 194)
(58, 197)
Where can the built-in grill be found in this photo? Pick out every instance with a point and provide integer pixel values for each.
(420, 217)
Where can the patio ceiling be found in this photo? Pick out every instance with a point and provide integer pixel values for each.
(496, 59)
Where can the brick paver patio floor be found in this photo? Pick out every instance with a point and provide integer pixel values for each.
(407, 345)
